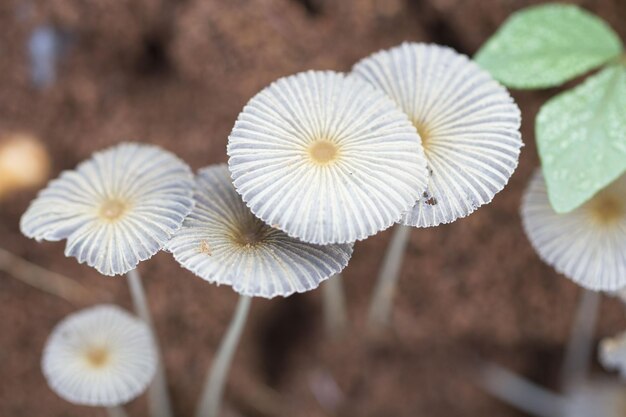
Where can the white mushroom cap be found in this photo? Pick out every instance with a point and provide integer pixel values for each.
(116, 209)
(223, 242)
(588, 245)
(612, 353)
(100, 356)
(326, 158)
(469, 126)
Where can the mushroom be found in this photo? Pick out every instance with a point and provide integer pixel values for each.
(24, 162)
(469, 126)
(587, 245)
(326, 158)
(100, 356)
(612, 353)
(116, 209)
(222, 242)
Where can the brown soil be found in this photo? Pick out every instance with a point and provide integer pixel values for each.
(176, 74)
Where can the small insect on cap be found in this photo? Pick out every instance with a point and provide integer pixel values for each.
(100, 356)
(468, 123)
(326, 158)
(116, 209)
(223, 242)
(587, 245)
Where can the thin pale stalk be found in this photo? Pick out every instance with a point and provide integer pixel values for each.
(117, 411)
(158, 396)
(334, 305)
(213, 390)
(48, 281)
(521, 393)
(580, 345)
(382, 300)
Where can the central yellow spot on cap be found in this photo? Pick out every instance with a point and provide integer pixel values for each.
(607, 208)
(97, 357)
(424, 133)
(112, 209)
(323, 151)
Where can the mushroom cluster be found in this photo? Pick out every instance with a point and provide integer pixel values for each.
(416, 135)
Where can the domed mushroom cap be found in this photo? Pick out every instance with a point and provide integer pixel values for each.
(100, 356)
(116, 209)
(223, 242)
(612, 353)
(469, 126)
(588, 245)
(326, 158)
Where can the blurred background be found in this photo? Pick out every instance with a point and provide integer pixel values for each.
(77, 76)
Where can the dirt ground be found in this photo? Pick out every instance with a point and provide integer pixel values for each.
(176, 74)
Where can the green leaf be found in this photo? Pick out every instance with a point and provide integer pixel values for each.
(581, 136)
(544, 46)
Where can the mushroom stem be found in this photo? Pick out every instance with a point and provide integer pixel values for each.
(117, 411)
(380, 306)
(159, 400)
(48, 281)
(334, 305)
(580, 345)
(211, 398)
(521, 393)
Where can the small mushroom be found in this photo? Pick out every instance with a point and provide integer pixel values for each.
(100, 356)
(469, 127)
(222, 242)
(612, 353)
(587, 245)
(326, 158)
(24, 162)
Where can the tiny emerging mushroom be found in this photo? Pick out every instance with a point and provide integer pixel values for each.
(100, 356)
(612, 353)
(588, 244)
(469, 127)
(116, 209)
(24, 162)
(222, 242)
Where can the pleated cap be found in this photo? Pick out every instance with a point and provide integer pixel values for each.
(468, 123)
(587, 245)
(116, 209)
(326, 158)
(224, 243)
(100, 356)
